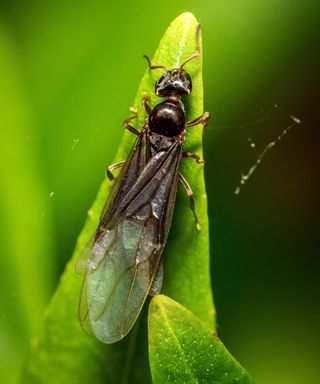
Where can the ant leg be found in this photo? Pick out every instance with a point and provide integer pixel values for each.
(191, 200)
(203, 119)
(145, 104)
(126, 122)
(112, 167)
(193, 156)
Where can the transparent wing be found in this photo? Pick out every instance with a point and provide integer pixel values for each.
(133, 167)
(119, 283)
(83, 312)
(125, 259)
(82, 261)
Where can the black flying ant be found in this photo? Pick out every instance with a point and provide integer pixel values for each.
(125, 262)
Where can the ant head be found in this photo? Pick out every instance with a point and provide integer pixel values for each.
(175, 82)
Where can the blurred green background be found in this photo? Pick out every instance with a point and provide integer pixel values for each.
(68, 73)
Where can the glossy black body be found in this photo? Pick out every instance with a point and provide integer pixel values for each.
(167, 118)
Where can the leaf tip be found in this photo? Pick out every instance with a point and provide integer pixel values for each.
(186, 16)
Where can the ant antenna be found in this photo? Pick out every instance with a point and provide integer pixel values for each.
(153, 66)
(196, 54)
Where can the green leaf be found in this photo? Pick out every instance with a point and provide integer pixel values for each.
(25, 282)
(63, 352)
(183, 350)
